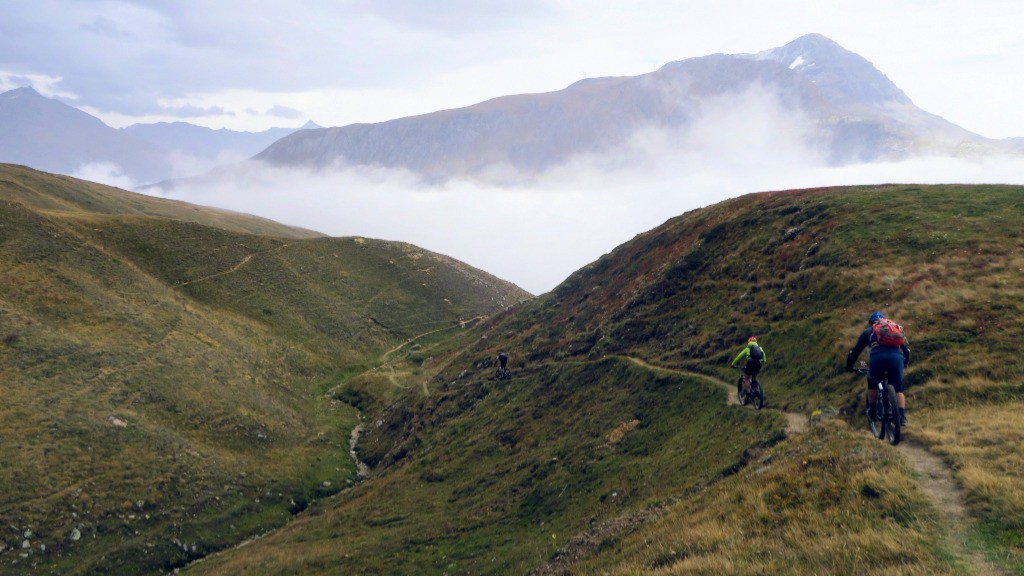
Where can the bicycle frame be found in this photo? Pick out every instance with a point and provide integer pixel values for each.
(887, 421)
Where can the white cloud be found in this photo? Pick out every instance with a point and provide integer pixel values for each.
(105, 173)
(538, 231)
(357, 61)
(42, 83)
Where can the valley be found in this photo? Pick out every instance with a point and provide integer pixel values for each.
(181, 388)
(584, 463)
(483, 319)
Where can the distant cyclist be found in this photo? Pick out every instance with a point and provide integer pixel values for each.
(755, 358)
(890, 354)
(503, 359)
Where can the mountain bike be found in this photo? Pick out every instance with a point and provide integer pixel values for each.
(756, 395)
(503, 374)
(886, 421)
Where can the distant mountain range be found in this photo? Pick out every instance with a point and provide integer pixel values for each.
(851, 113)
(854, 112)
(49, 135)
(221, 146)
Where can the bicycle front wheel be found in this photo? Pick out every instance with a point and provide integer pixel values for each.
(758, 397)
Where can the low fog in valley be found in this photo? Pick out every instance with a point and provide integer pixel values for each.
(536, 229)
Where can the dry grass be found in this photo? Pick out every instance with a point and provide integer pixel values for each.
(830, 502)
(984, 445)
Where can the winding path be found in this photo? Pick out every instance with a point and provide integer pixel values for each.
(795, 423)
(233, 269)
(935, 478)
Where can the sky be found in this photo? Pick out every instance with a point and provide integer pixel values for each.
(256, 64)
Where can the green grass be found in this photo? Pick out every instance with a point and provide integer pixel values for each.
(801, 270)
(213, 347)
(498, 476)
(228, 352)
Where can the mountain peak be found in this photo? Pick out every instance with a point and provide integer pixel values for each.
(24, 91)
(310, 125)
(844, 76)
(815, 40)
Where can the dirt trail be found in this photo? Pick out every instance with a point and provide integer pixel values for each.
(795, 423)
(935, 479)
(450, 326)
(937, 482)
(233, 269)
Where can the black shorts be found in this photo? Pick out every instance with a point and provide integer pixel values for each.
(886, 365)
(753, 368)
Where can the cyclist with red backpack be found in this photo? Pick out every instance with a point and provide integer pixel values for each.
(890, 354)
(755, 358)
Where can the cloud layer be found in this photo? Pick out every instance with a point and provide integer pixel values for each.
(346, 61)
(536, 231)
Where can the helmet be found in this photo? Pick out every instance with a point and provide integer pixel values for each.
(752, 339)
(875, 317)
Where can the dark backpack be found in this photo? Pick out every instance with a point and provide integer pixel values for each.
(889, 333)
(756, 354)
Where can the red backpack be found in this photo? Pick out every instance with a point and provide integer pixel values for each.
(889, 333)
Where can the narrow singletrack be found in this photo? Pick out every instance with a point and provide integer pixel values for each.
(795, 423)
(385, 364)
(460, 324)
(935, 478)
(233, 269)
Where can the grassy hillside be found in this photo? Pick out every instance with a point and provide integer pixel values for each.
(802, 270)
(653, 469)
(496, 477)
(51, 193)
(165, 379)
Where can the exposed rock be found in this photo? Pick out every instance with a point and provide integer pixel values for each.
(115, 421)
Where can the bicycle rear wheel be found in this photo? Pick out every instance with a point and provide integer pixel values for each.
(892, 416)
(877, 420)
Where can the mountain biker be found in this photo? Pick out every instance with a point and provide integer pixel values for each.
(888, 360)
(755, 357)
(503, 359)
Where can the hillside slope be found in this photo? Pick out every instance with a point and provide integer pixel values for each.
(595, 464)
(65, 195)
(164, 379)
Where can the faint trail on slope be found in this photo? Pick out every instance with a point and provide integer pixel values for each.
(233, 269)
(385, 363)
(460, 324)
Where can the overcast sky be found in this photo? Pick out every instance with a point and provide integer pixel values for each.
(255, 64)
